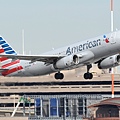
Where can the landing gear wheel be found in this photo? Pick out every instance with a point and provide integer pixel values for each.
(59, 75)
(88, 75)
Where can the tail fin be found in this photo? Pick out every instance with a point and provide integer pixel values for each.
(5, 48)
(8, 66)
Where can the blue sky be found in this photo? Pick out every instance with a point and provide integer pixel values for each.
(54, 23)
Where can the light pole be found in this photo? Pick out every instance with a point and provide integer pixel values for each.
(112, 70)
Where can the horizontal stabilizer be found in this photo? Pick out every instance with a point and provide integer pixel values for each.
(3, 70)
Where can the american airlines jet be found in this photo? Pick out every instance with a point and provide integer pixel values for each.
(102, 50)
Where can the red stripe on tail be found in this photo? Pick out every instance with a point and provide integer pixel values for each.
(2, 50)
(7, 72)
(3, 59)
(11, 63)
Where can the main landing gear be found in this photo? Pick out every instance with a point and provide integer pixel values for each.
(59, 75)
(88, 75)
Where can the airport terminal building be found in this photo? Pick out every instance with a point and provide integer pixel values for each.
(46, 98)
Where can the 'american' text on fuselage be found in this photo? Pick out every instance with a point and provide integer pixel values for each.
(81, 47)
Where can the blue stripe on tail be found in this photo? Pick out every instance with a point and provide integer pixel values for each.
(7, 48)
(5, 45)
(1, 38)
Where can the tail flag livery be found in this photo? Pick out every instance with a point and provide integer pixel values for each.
(8, 66)
(5, 48)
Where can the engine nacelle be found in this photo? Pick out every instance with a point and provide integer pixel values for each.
(72, 60)
(66, 62)
(109, 62)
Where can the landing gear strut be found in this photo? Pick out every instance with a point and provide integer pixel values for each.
(59, 75)
(88, 75)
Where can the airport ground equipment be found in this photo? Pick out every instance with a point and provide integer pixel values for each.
(25, 100)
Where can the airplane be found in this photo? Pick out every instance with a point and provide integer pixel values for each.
(102, 50)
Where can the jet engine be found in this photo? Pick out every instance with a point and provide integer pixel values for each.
(109, 62)
(67, 62)
(72, 60)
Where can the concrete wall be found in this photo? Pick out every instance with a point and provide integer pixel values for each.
(13, 118)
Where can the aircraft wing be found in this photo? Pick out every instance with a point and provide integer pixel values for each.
(33, 58)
